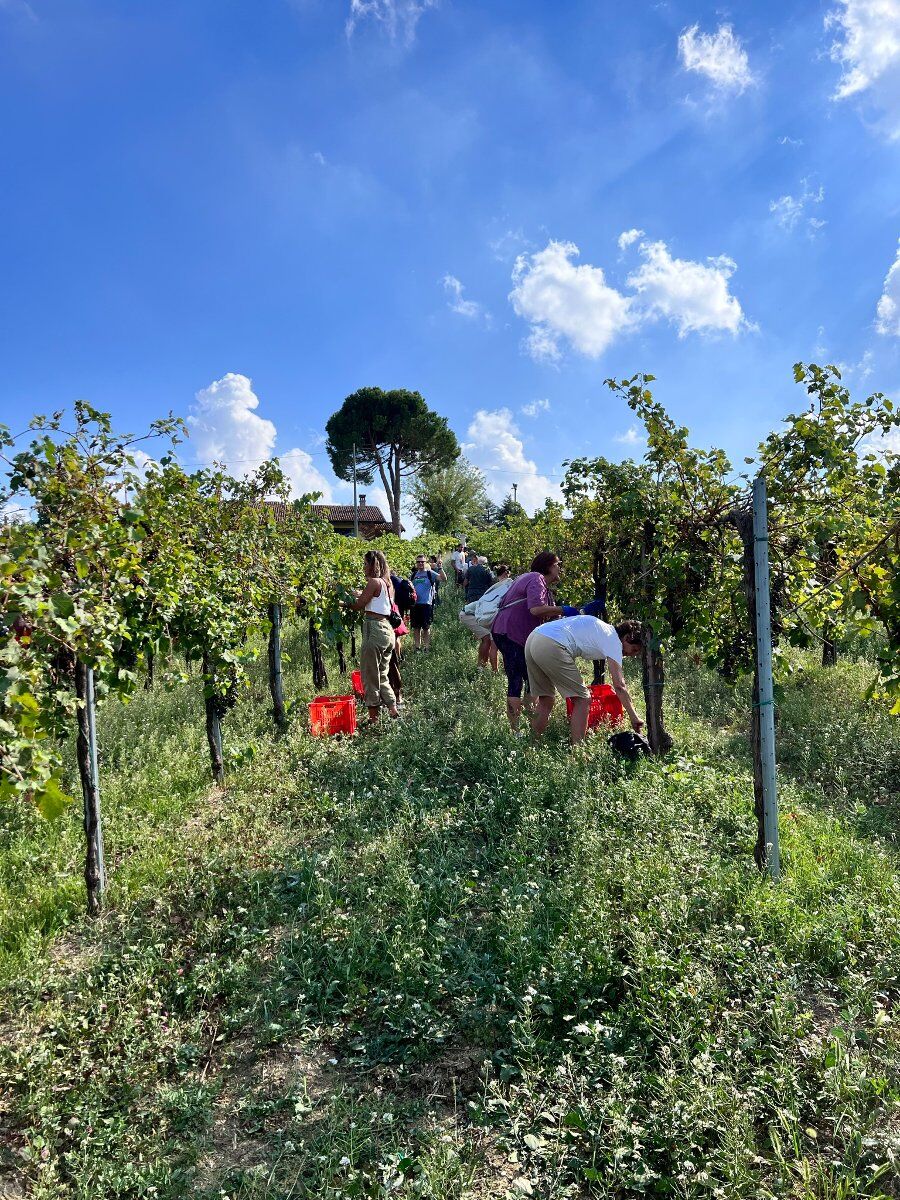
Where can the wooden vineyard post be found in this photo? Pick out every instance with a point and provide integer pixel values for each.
(86, 753)
(765, 698)
(211, 704)
(319, 674)
(276, 687)
(654, 681)
(828, 563)
(342, 658)
(652, 670)
(600, 572)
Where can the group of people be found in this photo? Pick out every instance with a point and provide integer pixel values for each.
(540, 642)
(519, 620)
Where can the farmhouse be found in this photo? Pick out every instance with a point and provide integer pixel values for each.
(372, 521)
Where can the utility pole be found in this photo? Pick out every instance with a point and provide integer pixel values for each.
(515, 488)
(355, 503)
(766, 697)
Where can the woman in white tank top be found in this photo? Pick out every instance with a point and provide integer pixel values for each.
(380, 604)
(374, 602)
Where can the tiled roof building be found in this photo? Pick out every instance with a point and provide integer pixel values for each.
(372, 521)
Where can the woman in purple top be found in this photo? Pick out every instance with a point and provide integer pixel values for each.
(526, 605)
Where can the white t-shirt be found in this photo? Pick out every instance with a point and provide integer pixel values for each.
(586, 637)
(459, 559)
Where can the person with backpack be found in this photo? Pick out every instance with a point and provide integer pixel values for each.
(435, 565)
(526, 605)
(425, 582)
(479, 613)
(551, 653)
(478, 578)
(404, 595)
(403, 591)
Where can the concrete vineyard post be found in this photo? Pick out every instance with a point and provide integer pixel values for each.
(765, 699)
(276, 687)
(86, 753)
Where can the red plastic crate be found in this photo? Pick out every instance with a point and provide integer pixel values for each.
(606, 707)
(357, 683)
(329, 715)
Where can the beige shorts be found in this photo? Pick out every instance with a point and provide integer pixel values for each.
(553, 668)
(471, 623)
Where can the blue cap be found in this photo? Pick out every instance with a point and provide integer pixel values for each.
(569, 611)
(594, 608)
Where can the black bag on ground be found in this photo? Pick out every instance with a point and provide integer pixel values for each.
(629, 745)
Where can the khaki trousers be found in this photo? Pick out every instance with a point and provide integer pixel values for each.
(553, 668)
(375, 662)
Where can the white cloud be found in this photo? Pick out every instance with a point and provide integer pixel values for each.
(791, 211)
(226, 428)
(495, 446)
(882, 444)
(719, 56)
(12, 513)
(887, 319)
(794, 143)
(869, 45)
(398, 17)
(631, 437)
(562, 300)
(456, 303)
(629, 237)
(576, 304)
(535, 407)
(303, 475)
(693, 296)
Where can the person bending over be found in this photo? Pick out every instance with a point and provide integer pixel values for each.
(551, 654)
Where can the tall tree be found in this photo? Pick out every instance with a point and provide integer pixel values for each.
(510, 512)
(448, 499)
(395, 433)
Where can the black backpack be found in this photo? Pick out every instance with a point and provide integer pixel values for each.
(629, 745)
(404, 595)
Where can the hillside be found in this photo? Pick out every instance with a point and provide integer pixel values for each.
(441, 962)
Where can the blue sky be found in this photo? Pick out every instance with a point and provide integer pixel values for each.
(316, 195)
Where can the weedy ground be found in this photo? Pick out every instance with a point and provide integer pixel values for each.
(445, 963)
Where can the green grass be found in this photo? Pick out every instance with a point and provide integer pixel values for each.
(443, 963)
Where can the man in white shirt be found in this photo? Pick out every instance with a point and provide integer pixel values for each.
(458, 558)
(550, 655)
